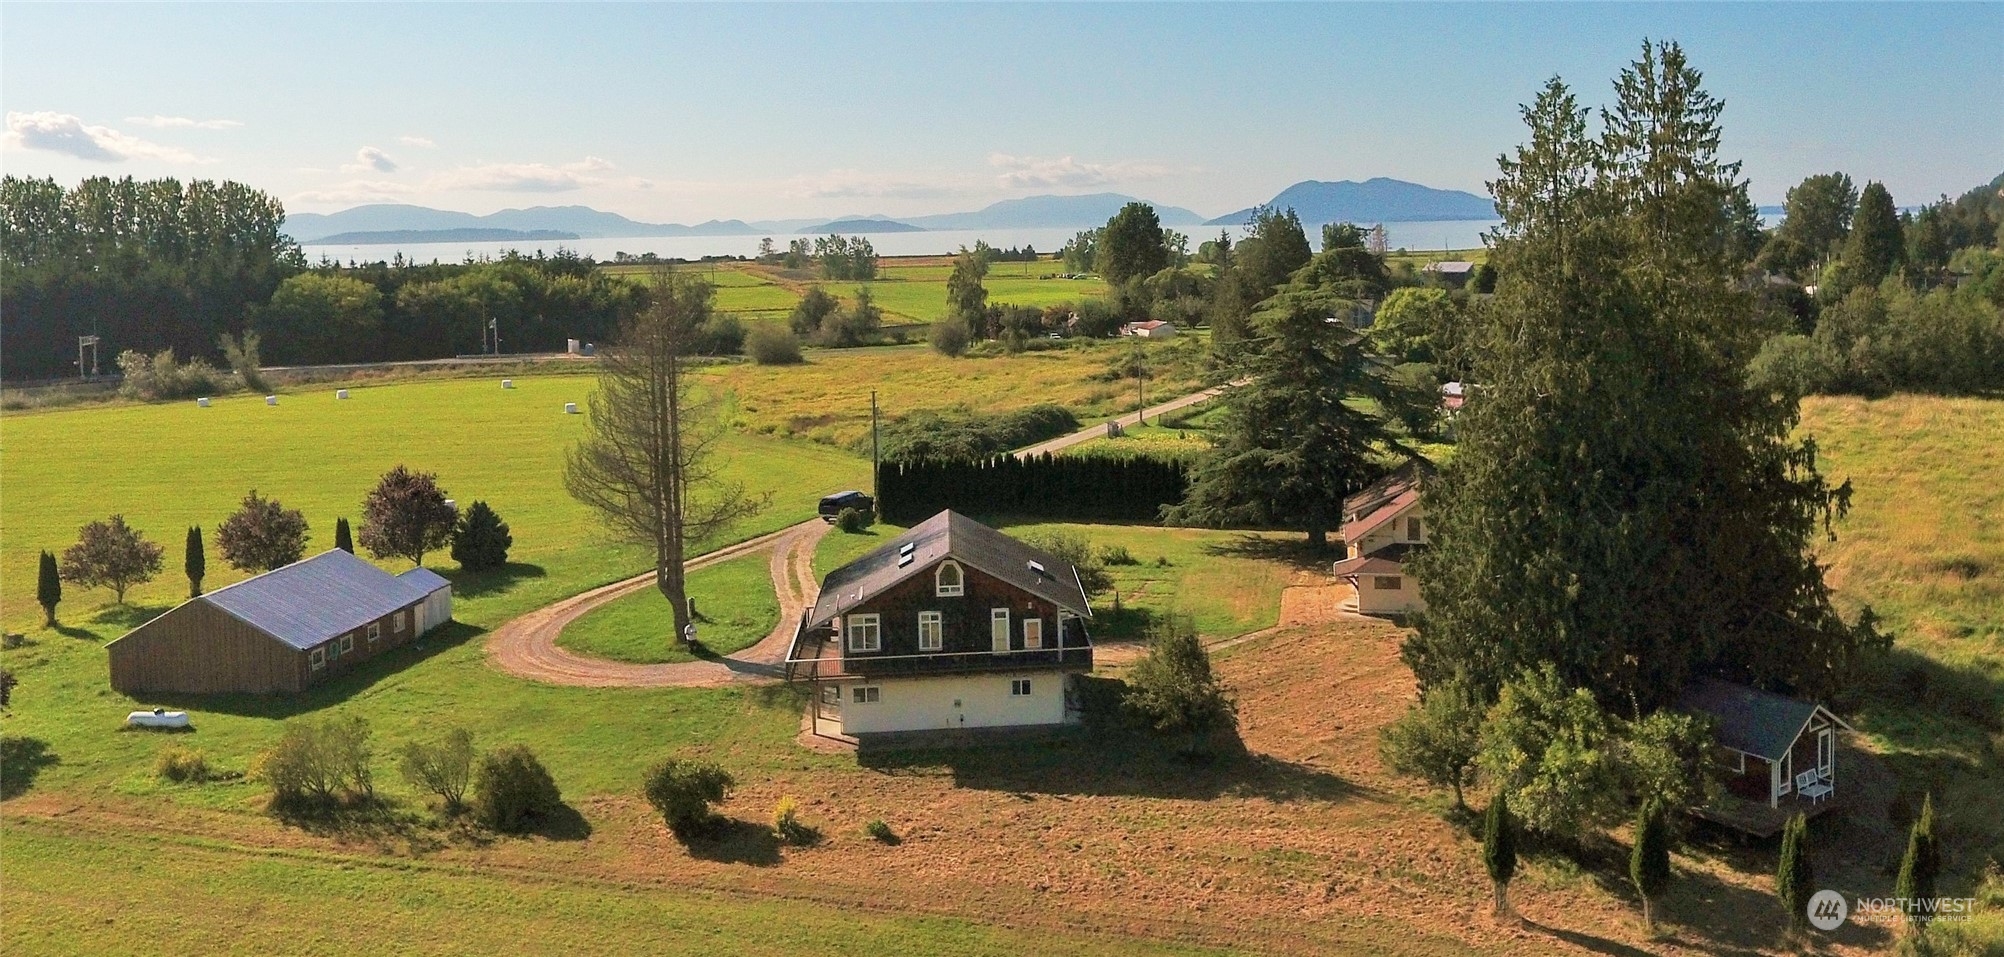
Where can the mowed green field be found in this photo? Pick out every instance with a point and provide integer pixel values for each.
(734, 599)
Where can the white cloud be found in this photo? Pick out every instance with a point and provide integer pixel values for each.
(856, 184)
(71, 136)
(181, 122)
(370, 159)
(421, 142)
(1028, 172)
(355, 191)
(525, 177)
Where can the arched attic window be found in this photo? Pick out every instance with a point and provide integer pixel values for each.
(949, 581)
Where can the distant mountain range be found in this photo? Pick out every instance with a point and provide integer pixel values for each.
(871, 225)
(1379, 200)
(472, 235)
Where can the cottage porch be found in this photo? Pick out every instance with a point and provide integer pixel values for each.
(1756, 818)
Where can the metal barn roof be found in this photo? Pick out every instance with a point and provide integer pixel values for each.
(950, 535)
(314, 599)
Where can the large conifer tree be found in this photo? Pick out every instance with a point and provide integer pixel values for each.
(1621, 504)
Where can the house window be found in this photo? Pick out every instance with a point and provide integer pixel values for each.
(831, 695)
(1019, 687)
(932, 631)
(375, 630)
(1413, 529)
(1387, 582)
(347, 642)
(1033, 633)
(951, 581)
(865, 633)
(865, 695)
(316, 659)
(397, 623)
(998, 630)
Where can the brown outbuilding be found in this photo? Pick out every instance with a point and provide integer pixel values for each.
(282, 631)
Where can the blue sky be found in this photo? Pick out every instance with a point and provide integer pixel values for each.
(683, 113)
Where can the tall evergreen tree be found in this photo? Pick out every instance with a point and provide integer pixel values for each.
(344, 537)
(1499, 849)
(1649, 862)
(1878, 242)
(1918, 869)
(481, 541)
(1291, 444)
(1621, 504)
(49, 589)
(1794, 878)
(194, 562)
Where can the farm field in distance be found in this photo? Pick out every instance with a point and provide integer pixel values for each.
(908, 288)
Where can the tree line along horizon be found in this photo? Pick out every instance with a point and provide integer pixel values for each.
(1882, 300)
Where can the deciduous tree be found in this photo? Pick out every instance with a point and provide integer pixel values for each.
(262, 535)
(966, 297)
(1551, 748)
(1174, 691)
(406, 516)
(1131, 247)
(1877, 244)
(647, 464)
(443, 767)
(110, 554)
(1438, 738)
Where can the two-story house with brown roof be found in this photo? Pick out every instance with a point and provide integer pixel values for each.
(949, 625)
(1381, 526)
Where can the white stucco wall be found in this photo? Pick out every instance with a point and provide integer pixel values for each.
(954, 701)
(1372, 600)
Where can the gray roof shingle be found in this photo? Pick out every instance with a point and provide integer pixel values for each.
(314, 599)
(1756, 722)
(950, 534)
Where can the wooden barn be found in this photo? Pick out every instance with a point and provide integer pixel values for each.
(282, 631)
(952, 625)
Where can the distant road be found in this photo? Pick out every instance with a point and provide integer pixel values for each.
(1098, 430)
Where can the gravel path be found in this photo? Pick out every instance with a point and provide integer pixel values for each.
(526, 647)
(1098, 430)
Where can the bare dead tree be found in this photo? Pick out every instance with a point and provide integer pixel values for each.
(646, 463)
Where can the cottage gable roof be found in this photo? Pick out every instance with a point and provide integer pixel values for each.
(1383, 500)
(314, 599)
(1749, 720)
(950, 535)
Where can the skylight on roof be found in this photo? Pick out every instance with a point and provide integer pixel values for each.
(1037, 567)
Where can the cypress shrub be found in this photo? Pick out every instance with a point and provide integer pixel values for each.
(344, 537)
(49, 589)
(1649, 863)
(1794, 878)
(1499, 849)
(1915, 887)
(196, 564)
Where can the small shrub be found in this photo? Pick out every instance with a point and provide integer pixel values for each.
(444, 768)
(316, 764)
(683, 790)
(786, 823)
(481, 539)
(1161, 561)
(161, 376)
(949, 338)
(1117, 555)
(182, 765)
(880, 831)
(512, 790)
(852, 521)
(771, 344)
